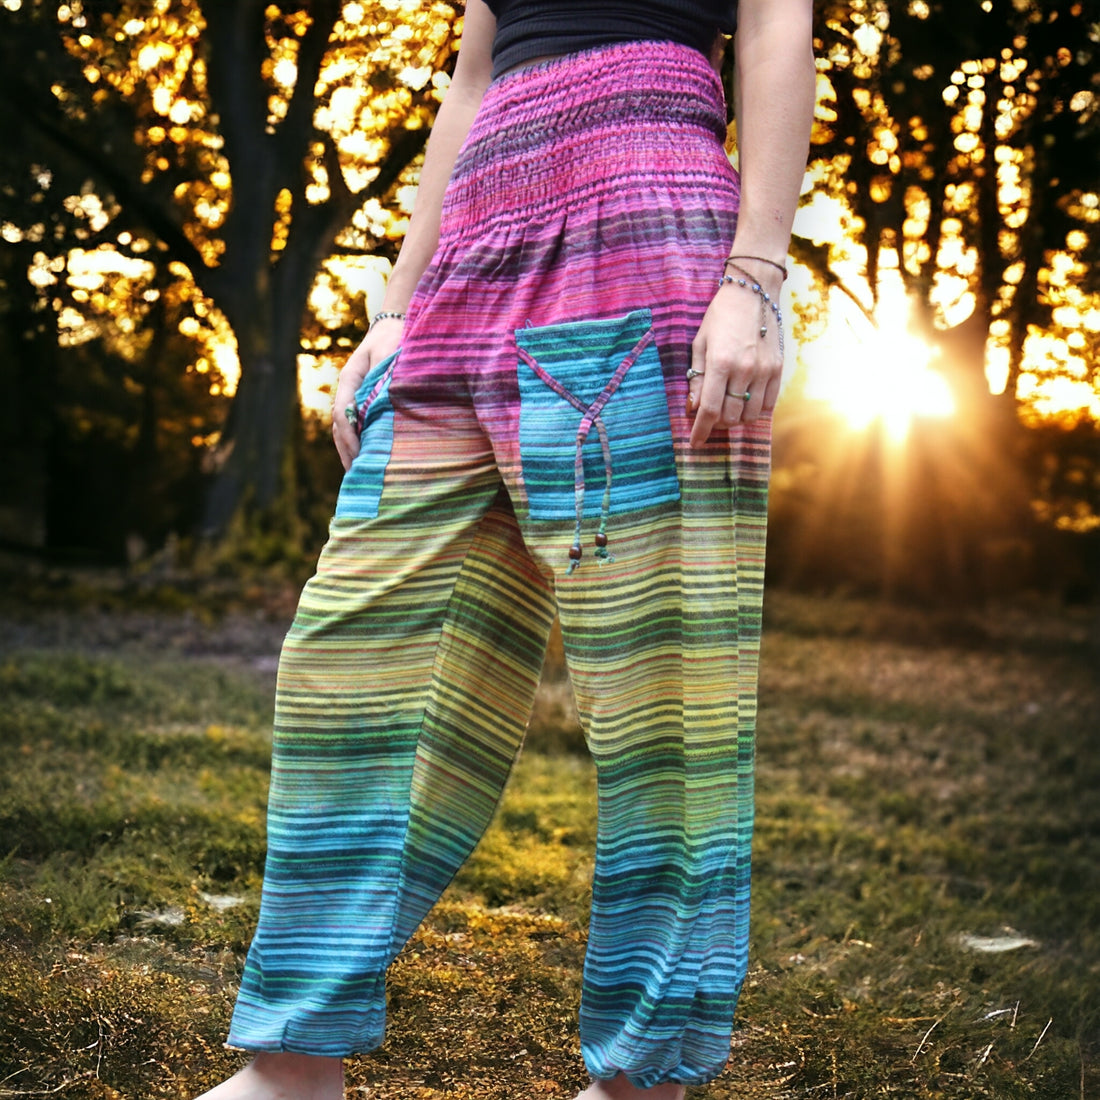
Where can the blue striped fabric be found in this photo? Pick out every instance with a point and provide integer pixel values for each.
(582, 357)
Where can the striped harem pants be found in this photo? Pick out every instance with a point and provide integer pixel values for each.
(526, 451)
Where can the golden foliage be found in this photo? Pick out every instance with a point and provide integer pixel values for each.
(383, 73)
(966, 183)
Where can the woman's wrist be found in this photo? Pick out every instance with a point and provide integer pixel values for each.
(759, 264)
(739, 269)
(386, 315)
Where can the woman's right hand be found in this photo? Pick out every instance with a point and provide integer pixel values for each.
(382, 340)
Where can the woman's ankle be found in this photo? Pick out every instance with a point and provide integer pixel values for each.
(283, 1076)
(620, 1088)
(288, 1063)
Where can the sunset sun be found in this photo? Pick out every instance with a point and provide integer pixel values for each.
(875, 373)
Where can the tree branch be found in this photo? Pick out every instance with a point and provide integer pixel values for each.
(133, 197)
(816, 258)
(235, 49)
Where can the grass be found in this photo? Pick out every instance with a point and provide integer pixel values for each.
(921, 778)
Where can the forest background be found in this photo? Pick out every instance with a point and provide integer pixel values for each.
(199, 205)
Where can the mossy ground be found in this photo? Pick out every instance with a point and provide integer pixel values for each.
(920, 778)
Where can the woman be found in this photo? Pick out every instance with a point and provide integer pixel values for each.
(564, 404)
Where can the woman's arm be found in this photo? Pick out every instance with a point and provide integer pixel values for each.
(775, 79)
(473, 71)
(453, 120)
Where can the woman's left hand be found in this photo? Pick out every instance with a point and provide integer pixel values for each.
(730, 360)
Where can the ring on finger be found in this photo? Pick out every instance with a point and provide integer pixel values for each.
(693, 373)
(739, 396)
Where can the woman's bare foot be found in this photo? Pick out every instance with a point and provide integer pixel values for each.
(283, 1077)
(620, 1088)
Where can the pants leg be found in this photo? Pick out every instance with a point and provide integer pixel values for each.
(404, 689)
(663, 661)
(486, 672)
(661, 624)
(590, 216)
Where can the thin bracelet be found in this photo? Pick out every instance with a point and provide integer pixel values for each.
(385, 315)
(760, 260)
(766, 303)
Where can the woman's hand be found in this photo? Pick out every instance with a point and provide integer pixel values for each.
(382, 340)
(730, 359)
(774, 99)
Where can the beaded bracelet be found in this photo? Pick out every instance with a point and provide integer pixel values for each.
(385, 315)
(760, 260)
(766, 303)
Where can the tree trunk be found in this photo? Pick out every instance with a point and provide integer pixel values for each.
(254, 443)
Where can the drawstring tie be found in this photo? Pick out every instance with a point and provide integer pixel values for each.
(590, 417)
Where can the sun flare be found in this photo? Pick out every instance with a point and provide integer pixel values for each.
(875, 373)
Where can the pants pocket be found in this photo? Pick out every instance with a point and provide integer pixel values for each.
(595, 435)
(361, 489)
(594, 415)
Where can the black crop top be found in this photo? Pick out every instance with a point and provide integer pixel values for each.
(543, 28)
